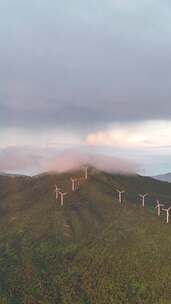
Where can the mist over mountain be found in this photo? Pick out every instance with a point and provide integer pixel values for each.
(17, 160)
(73, 160)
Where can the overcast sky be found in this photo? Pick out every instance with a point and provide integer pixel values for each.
(92, 75)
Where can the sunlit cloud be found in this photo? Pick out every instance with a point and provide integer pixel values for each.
(146, 135)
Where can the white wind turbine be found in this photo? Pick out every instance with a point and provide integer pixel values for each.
(78, 183)
(158, 206)
(167, 214)
(62, 194)
(120, 195)
(75, 183)
(73, 180)
(143, 198)
(86, 172)
(57, 191)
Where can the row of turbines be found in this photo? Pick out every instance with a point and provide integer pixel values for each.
(75, 184)
(142, 196)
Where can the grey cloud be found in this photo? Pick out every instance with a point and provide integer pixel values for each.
(13, 159)
(84, 64)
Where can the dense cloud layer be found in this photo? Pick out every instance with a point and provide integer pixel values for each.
(73, 71)
(80, 62)
(70, 160)
(30, 160)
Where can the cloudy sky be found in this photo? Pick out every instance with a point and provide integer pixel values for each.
(89, 75)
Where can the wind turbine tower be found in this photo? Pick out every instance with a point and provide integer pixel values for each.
(73, 180)
(143, 198)
(167, 214)
(57, 191)
(86, 172)
(120, 195)
(62, 194)
(158, 206)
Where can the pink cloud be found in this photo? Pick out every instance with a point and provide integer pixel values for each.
(32, 160)
(72, 159)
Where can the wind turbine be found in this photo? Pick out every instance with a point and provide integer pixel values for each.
(78, 183)
(57, 191)
(75, 183)
(167, 214)
(158, 206)
(143, 198)
(120, 195)
(62, 194)
(86, 172)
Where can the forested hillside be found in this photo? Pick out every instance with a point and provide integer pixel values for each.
(90, 250)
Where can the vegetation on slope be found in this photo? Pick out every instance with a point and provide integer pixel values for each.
(91, 250)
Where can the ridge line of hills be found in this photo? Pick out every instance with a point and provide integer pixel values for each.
(91, 250)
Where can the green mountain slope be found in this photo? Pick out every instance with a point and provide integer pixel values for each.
(91, 250)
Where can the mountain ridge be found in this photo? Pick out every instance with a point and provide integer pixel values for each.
(53, 254)
(164, 177)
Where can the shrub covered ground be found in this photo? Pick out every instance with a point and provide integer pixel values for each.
(92, 250)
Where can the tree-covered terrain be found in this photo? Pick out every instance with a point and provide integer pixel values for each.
(92, 250)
